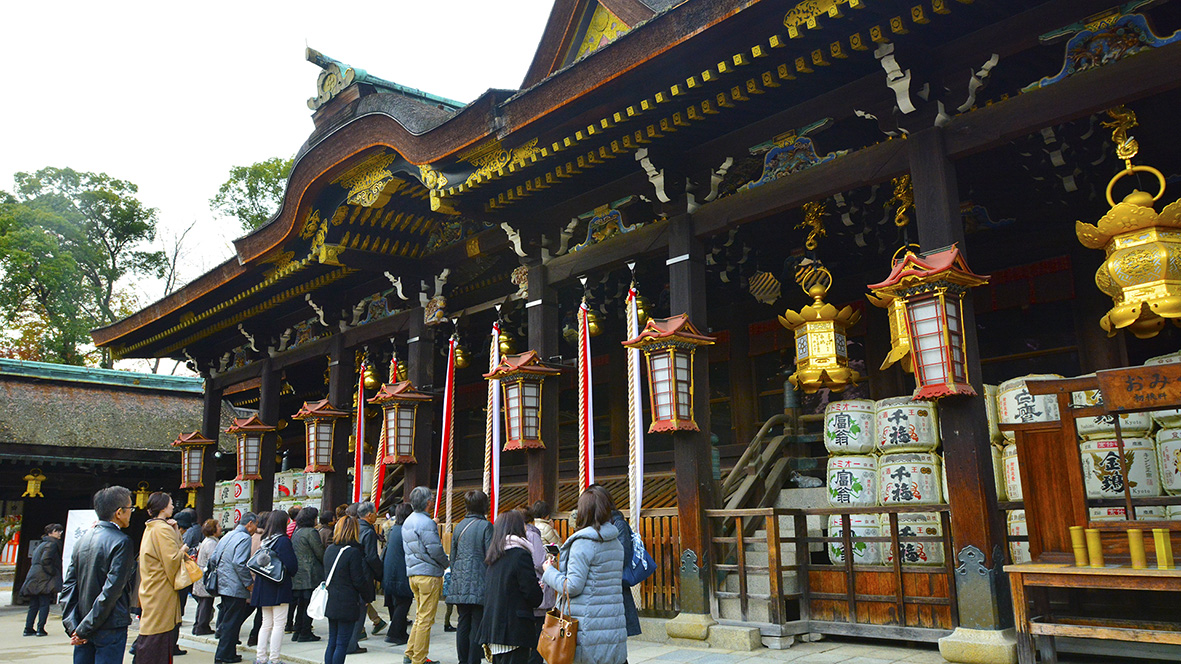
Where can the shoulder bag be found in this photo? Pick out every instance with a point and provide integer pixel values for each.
(265, 562)
(211, 574)
(188, 574)
(559, 633)
(318, 603)
(641, 566)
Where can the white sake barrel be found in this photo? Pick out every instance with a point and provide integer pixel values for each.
(223, 492)
(314, 483)
(1168, 454)
(852, 480)
(905, 425)
(848, 426)
(1019, 551)
(1012, 472)
(243, 491)
(1103, 474)
(1015, 405)
(1173, 512)
(994, 431)
(911, 478)
(1103, 426)
(299, 487)
(1144, 513)
(1169, 418)
(918, 524)
(239, 510)
(281, 489)
(860, 525)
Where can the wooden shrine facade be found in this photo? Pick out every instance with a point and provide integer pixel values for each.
(689, 137)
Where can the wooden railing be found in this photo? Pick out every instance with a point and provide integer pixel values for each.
(894, 600)
(659, 594)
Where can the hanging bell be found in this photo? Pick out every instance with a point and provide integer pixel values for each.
(508, 345)
(592, 324)
(642, 308)
(402, 371)
(371, 382)
(461, 357)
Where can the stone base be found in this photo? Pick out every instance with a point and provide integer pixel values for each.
(686, 643)
(652, 629)
(778, 642)
(694, 626)
(729, 637)
(980, 646)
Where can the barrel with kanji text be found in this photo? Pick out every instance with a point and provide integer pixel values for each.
(1015, 405)
(1168, 454)
(911, 478)
(1143, 513)
(1103, 473)
(1012, 471)
(1103, 426)
(905, 425)
(852, 480)
(860, 525)
(1016, 525)
(916, 524)
(849, 426)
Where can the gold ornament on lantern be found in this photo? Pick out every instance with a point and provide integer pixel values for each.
(822, 355)
(1142, 271)
(141, 496)
(508, 345)
(899, 339)
(34, 479)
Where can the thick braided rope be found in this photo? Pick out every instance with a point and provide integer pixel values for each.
(490, 416)
(583, 361)
(632, 414)
(378, 470)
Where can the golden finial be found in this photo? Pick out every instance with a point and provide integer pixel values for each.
(1122, 120)
(904, 198)
(814, 220)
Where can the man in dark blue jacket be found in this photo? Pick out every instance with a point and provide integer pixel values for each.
(96, 593)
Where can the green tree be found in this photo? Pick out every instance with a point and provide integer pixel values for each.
(66, 240)
(253, 193)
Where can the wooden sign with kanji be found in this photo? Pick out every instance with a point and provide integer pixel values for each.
(1141, 388)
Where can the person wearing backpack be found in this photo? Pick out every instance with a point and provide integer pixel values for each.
(469, 548)
(273, 598)
(349, 585)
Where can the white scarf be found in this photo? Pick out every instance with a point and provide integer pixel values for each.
(513, 541)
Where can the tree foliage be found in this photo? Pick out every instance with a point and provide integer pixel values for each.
(253, 193)
(67, 238)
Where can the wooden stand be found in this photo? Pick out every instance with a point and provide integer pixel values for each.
(1055, 499)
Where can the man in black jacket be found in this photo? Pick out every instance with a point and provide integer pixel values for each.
(97, 591)
(366, 515)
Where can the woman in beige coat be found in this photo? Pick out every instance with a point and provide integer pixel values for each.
(161, 557)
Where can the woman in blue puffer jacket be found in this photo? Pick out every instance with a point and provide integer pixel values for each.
(591, 571)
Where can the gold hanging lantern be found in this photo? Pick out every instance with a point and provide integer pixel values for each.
(931, 287)
(319, 418)
(141, 495)
(1142, 271)
(33, 488)
(399, 402)
(822, 354)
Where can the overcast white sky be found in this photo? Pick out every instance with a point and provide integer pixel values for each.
(172, 95)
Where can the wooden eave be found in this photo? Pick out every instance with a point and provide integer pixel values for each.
(562, 29)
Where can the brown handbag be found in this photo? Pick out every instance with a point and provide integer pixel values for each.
(187, 575)
(558, 634)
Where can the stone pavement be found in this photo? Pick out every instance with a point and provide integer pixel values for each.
(55, 649)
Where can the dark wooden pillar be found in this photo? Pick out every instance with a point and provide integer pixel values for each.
(691, 449)
(421, 372)
(211, 429)
(744, 398)
(542, 308)
(342, 376)
(975, 519)
(268, 412)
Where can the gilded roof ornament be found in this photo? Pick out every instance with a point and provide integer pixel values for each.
(333, 79)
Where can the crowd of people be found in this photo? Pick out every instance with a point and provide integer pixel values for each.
(502, 578)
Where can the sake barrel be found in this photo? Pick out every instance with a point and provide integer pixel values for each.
(225, 515)
(998, 477)
(1103, 426)
(1019, 551)
(1171, 417)
(223, 492)
(852, 480)
(1173, 512)
(1143, 513)
(910, 478)
(994, 431)
(918, 524)
(299, 484)
(239, 510)
(905, 425)
(860, 525)
(1103, 474)
(281, 488)
(1168, 454)
(848, 426)
(314, 483)
(1015, 405)
(243, 491)
(1012, 472)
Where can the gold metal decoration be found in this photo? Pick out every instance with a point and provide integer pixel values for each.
(191, 501)
(643, 307)
(462, 357)
(814, 221)
(399, 402)
(931, 288)
(34, 479)
(592, 324)
(903, 198)
(1142, 271)
(507, 344)
(669, 346)
(522, 379)
(899, 339)
(822, 355)
(141, 495)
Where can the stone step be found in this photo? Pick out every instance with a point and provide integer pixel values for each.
(730, 608)
(760, 583)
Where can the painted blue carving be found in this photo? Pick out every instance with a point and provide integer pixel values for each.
(1108, 41)
(787, 158)
(977, 218)
(603, 226)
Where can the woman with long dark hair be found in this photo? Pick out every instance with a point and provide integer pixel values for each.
(161, 557)
(507, 630)
(309, 551)
(211, 529)
(273, 598)
(44, 581)
(591, 572)
(350, 587)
